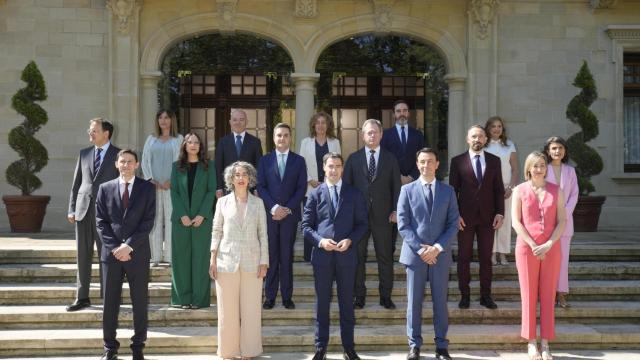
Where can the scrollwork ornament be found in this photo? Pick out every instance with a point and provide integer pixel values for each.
(482, 13)
(306, 8)
(123, 11)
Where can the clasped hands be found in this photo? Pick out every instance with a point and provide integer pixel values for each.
(213, 269)
(122, 252)
(331, 245)
(280, 213)
(540, 251)
(195, 222)
(430, 254)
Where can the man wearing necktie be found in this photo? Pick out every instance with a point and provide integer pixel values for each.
(125, 213)
(428, 222)
(375, 172)
(282, 184)
(477, 178)
(94, 167)
(334, 220)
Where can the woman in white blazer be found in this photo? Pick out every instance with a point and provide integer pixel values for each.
(239, 262)
(312, 149)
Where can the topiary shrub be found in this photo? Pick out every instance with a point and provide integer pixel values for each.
(33, 155)
(588, 162)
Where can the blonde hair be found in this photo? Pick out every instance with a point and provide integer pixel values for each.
(531, 160)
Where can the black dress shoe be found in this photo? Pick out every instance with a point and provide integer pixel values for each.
(110, 355)
(79, 305)
(387, 303)
(268, 304)
(442, 354)
(321, 354)
(288, 304)
(414, 354)
(350, 355)
(358, 302)
(464, 302)
(487, 302)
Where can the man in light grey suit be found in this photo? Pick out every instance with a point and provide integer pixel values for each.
(94, 167)
(427, 220)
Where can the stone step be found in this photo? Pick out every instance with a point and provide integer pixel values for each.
(159, 292)
(57, 272)
(509, 312)
(168, 340)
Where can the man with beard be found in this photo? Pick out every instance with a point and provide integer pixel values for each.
(477, 179)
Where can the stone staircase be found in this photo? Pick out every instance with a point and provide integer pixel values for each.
(37, 278)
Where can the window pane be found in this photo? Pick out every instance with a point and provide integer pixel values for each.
(631, 107)
(349, 80)
(197, 89)
(261, 80)
(236, 90)
(362, 91)
(251, 118)
(349, 118)
(362, 80)
(197, 118)
(387, 91)
(196, 79)
(387, 81)
(248, 80)
(211, 118)
(349, 91)
(248, 90)
(261, 90)
(349, 141)
(236, 80)
(209, 90)
(210, 79)
(398, 91)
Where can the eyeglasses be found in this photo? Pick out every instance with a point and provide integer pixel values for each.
(241, 176)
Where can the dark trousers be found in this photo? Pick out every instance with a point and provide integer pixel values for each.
(86, 236)
(137, 272)
(282, 236)
(384, 255)
(323, 280)
(484, 234)
(308, 246)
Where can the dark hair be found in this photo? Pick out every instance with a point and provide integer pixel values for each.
(183, 158)
(104, 124)
(282, 125)
(400, 101)
(427, 150)
(314, 119)
(503, 136)
(127, 151)
(558, 140)
(173, 130)
(331, 155)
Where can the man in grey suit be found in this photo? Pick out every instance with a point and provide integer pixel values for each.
(376, 173)
(94, 167)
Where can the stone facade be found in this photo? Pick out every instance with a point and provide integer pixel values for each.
(513, 58)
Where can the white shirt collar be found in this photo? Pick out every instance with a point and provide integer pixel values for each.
(423, 182)
(368, 149)
(473, 154)
(286, 153)
(242, 134)
(104, 147)
(338, 184)
(121, 180)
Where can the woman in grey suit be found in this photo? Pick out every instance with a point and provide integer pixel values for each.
(239, 262)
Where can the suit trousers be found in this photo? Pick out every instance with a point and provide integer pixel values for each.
(384, 255)
(484, 234)
(563, 277)
(161, 232)
(538, 278)
(282, 236)
(417, 276)
(190, 282)
(86, 236)
(137, 273)
(239, 298)
(323, 281)
(502, 237)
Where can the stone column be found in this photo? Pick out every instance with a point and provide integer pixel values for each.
(456, 129)
(305, 85)
(148, 103)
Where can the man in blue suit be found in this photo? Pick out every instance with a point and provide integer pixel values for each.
(282, 183)
(427, 220)
(125, 212)
(335, 219)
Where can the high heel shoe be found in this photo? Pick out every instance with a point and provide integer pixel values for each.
(532, 351)
(562, 301)
(546, 353)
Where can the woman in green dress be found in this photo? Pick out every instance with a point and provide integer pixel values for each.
(193, 189)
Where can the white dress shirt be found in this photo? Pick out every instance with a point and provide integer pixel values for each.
(483, 162)
(376, 155)
(121, 185)
(278, 157)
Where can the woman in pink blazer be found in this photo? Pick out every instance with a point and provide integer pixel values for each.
(564, 175)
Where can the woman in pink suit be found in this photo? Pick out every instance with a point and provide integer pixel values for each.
(538, 217)
(564, 175)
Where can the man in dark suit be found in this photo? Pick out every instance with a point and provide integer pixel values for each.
(282, 183)
(94, 167)
(125, 212)
(428, 221)
(237, 146)
(334, 220)
(477, 179)
(375, 172)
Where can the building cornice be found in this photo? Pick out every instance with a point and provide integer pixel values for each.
(623, 32)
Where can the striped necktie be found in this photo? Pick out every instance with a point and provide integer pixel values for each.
(96, 161)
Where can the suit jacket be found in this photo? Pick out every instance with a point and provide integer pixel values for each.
(202, 197)
(251, 152)
(407, 157)
(382, 194)
(287, 192)
(348, 222)
(569, 186)
(417, 226)
(240, 243)
(308, 152)
(132, 225)
(478, 203)
(86, 181)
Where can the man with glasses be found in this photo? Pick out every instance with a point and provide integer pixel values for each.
(94, 167)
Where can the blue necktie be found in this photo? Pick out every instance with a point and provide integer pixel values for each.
(403, 138)
(372, 166)
(429, 199)
(96, 161)
(238, 145)
(478, 170)
(335, 199)
(281, 166)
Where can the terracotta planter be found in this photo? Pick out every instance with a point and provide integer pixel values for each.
(26, 212)
(587, 213)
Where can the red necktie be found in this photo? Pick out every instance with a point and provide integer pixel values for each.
(125, 196)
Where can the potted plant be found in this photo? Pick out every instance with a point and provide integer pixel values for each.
(26, 211)
(588, 163)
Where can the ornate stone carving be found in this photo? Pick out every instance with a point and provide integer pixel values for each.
(226, 15)
(602, 4)
(482, 12)
(382, 11)
(623, 32)
(123, 11)
(306, 8)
